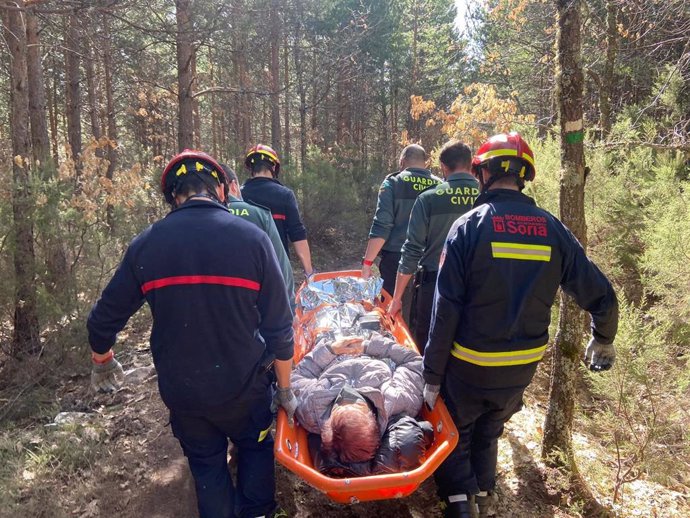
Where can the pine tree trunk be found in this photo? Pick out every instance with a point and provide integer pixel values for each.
(91, 96)
(57, 281)
(195, 104)
(287, 151)
(111, 128)
(276, 37)
(73, 92)
(566, 357)
(301, 89)
(25, 338)
(607, 79)
(40, 142)
(52, 112)
(185, 116)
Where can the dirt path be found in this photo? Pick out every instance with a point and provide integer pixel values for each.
(147, 475)
(121, 461)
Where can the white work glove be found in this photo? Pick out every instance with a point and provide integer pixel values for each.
(599, 357)
(108, 376)
(431, 394)
(285, 398)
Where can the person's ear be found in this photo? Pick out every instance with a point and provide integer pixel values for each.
(220, 191)
(235, 189)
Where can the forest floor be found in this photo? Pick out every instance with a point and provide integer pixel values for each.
(119, 458)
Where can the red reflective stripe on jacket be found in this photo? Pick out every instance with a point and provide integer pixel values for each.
(279, 216)
(200, 279)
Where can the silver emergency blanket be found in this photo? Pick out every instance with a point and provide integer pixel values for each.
(338, 318)
(339, 290)
(349, 319)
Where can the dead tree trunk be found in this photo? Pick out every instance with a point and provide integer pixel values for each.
(25, 338)
(185, 101)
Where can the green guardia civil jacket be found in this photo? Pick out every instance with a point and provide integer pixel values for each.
(263, 219)
(433, 213)
(397, 195)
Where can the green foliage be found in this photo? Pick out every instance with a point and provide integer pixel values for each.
(332, 192)
(640, 415)
(665, 261)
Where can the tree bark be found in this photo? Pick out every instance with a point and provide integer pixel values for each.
(40, 141)
(566, 357)
(185, 101)
(57, 283)
(53, 113)
(287, 151)
(607, 79)
(276, 37)
(91, 96)
(25, 338)
(195, 104)
(110, 115)
(301, 90)
(72, 60)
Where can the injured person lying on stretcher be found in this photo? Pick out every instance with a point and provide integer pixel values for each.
(359, 397)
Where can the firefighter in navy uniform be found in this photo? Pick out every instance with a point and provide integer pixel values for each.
(433, 213)
(264, 189)
(397, 195)
(261, 217)
(220, 317)
(501, 267)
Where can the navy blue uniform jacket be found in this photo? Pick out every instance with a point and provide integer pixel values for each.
(282, 203)
(500, 271)
(218, 301)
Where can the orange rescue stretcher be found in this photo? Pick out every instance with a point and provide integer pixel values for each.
(291, 447)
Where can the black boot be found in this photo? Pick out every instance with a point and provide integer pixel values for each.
(485, 503)
(460, 506)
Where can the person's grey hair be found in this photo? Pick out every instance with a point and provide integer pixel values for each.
(230, 173)
(413, 153)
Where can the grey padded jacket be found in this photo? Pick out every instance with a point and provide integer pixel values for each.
(388, 374)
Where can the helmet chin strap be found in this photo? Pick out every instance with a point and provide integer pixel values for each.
(493, 178)
(210, 192)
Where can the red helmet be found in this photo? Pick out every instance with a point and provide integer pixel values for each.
(506, 153)
(265, 153)
(191, 161)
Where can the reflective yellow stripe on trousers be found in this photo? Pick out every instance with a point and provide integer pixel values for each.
(520, 251)
(500, 359)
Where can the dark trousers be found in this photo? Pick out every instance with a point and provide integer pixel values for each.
(480, 415)
(422, 304)
(204, 440)
(388, 267)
